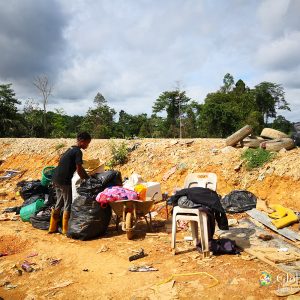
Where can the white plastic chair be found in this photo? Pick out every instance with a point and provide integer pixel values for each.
(196, 216)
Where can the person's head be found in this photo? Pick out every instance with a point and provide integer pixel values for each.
(83, 139)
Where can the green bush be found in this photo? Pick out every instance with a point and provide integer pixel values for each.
(257, 157)
(119, 154)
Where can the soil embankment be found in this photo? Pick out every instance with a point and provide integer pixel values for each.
(98, 269)
(276, 182)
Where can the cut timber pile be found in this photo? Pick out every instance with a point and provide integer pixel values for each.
(269, 139)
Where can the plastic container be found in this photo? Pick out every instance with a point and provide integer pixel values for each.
(47, 174)
(141, 191)
(153, 188)
(27, 211)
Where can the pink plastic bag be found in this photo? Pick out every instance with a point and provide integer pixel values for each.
(115, 193)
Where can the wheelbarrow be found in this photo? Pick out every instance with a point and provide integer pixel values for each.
(131, 211)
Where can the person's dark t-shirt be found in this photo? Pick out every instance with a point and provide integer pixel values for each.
(63, 173)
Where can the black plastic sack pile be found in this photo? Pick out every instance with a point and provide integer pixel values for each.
(99, 182)
(41, 219)
(30, 191)
(238, 201)
(88, 219)
(296, 134)
(110, 178)
(32, 188)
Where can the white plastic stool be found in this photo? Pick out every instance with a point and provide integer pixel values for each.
(196, 217)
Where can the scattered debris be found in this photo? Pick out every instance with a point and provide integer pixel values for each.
(232, 222)
(17, 270)
(54, 261)
(8, 285)
(238, 167)
(9, 173)
(265, 220)
(145, 268)
(61, 285)
(265, 237)
(32, 255)
(9, 217)
(26, 266)
(140, 254)
(169, 173)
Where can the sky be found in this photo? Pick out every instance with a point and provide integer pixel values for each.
(133, 50)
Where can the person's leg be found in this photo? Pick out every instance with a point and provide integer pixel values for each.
(55, 213)
(67, 192)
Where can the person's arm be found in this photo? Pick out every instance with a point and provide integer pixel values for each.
(81, 172)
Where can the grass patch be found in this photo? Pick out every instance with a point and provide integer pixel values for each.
(256, 158)
(119, 154)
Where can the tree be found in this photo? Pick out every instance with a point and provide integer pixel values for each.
(59, 124)
(33, 117)
(269, 98)
(99, 100)
(174, 104)
(9, 118)
(100, 120)
(43, 85)
(282, 124)
(219, 115)
(157, 126)
(228, 83)
(190, 121)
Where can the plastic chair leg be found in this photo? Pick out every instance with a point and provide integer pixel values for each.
(204, 234)
(173, 241)
(194, 229)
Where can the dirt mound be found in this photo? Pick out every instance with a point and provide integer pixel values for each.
(167, 161)
(99, 269)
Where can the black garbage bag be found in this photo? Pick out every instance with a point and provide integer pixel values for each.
(15, 209)
(238, 201)
(90, 187)
(32, 188)
(32, 199)
(26, 202)
(41, 219)
(109, 178)
(296, 134)
(88, 219)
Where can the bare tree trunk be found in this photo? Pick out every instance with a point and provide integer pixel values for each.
(45, 88)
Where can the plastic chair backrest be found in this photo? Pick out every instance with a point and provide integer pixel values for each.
(206, 180)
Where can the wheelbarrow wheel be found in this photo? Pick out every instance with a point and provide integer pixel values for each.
(128, 225)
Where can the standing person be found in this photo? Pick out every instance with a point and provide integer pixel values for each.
(70, 162)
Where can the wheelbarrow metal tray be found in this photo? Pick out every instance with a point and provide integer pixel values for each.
(142, 207)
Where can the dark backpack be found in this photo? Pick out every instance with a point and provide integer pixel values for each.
(223, 246)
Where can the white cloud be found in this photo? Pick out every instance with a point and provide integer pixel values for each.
(282, 53)
(131, 51)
